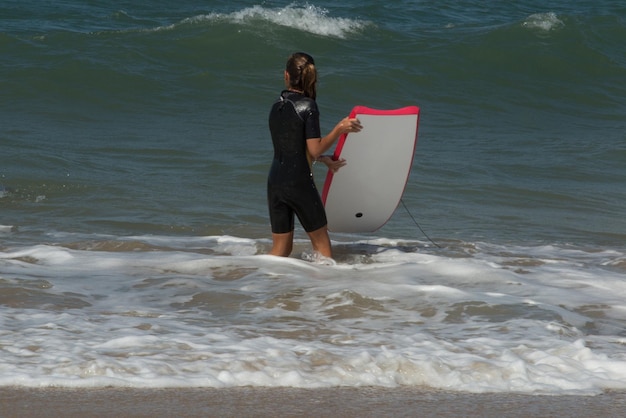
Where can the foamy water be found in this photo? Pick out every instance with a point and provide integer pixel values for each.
(307, 18)
(151, 311)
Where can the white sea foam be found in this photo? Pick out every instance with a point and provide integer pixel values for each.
(504, 319)
(307, 18)
(543, 21)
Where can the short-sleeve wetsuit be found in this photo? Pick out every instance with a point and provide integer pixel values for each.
(294, 118)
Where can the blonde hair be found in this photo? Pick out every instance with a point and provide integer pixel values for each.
(302, 74)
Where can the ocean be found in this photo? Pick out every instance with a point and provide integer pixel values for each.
(134, 152)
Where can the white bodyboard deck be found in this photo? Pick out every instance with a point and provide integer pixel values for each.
(363, 195)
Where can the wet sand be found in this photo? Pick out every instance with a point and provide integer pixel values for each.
(286, 402)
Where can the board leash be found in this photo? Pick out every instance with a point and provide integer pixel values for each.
(417, 224)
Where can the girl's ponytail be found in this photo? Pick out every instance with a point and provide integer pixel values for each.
(309, 80)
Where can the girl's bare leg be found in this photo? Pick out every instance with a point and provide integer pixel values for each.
(321, 241)
(282, 244)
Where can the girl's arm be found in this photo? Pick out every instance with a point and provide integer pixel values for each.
(318, 146)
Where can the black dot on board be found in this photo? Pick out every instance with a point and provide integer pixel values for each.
(359, 215)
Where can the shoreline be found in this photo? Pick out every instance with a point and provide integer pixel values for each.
(290, 402)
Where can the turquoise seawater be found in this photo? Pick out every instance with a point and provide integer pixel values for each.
(134, 150)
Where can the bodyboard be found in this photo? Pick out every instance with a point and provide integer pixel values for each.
(363, 195)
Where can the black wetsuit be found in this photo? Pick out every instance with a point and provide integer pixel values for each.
(291, 190)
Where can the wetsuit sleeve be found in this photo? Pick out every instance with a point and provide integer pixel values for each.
(312, 122)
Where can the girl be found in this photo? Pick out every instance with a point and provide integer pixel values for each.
(296, 136)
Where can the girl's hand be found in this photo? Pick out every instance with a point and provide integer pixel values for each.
(348, 125)
(333, 165)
